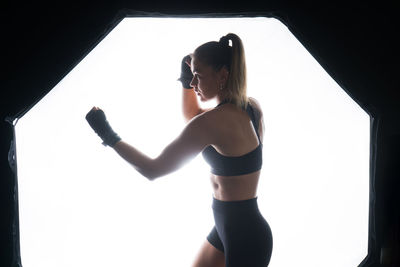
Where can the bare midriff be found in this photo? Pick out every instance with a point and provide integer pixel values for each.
(233, 188)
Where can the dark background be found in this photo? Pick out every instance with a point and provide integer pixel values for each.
(353, 41)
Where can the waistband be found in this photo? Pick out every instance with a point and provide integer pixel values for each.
(235, 206)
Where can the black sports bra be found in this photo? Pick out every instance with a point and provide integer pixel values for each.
(230, 166)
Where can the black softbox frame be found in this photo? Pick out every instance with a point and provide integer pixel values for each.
(369, 82)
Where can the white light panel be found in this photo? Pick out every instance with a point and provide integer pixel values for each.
(82, 205)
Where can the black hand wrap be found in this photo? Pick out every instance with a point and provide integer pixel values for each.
(97, 120)
(186, 73)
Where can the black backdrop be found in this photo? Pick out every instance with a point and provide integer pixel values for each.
(354, 42)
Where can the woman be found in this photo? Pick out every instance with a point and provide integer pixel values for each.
(230, 138)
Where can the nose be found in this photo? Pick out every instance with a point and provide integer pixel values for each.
(193, 82)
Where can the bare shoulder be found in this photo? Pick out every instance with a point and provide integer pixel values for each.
(255, 104)
(203, 117)
(201, 129)
(203, 121)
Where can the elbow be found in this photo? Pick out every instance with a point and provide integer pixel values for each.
(148, 169)
(152, 177)
(156, 168)
(150, 174)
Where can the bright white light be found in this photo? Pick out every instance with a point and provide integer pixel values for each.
(81, 205)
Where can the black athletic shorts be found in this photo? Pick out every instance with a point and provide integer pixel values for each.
(241, 232)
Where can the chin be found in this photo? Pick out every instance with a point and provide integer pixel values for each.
(202, 99)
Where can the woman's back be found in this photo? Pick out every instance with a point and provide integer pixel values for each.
(236, 155)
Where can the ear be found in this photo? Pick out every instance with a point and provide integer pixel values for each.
(224, 74)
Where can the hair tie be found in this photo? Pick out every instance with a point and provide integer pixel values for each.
(224, 41)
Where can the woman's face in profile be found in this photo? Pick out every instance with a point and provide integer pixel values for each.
(205, 80)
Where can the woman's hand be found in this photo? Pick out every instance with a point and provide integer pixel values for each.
(186, 72)
(97, 120)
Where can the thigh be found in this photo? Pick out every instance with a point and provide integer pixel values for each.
(209, 256)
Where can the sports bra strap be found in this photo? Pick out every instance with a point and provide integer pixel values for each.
(255, 118)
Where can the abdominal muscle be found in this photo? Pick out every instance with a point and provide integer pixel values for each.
(233, 188)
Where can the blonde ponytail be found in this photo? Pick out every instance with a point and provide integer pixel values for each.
(237, 80)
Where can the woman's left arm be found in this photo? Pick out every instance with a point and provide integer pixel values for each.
(193, 139)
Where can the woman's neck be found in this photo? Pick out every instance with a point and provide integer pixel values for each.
(221, 98)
